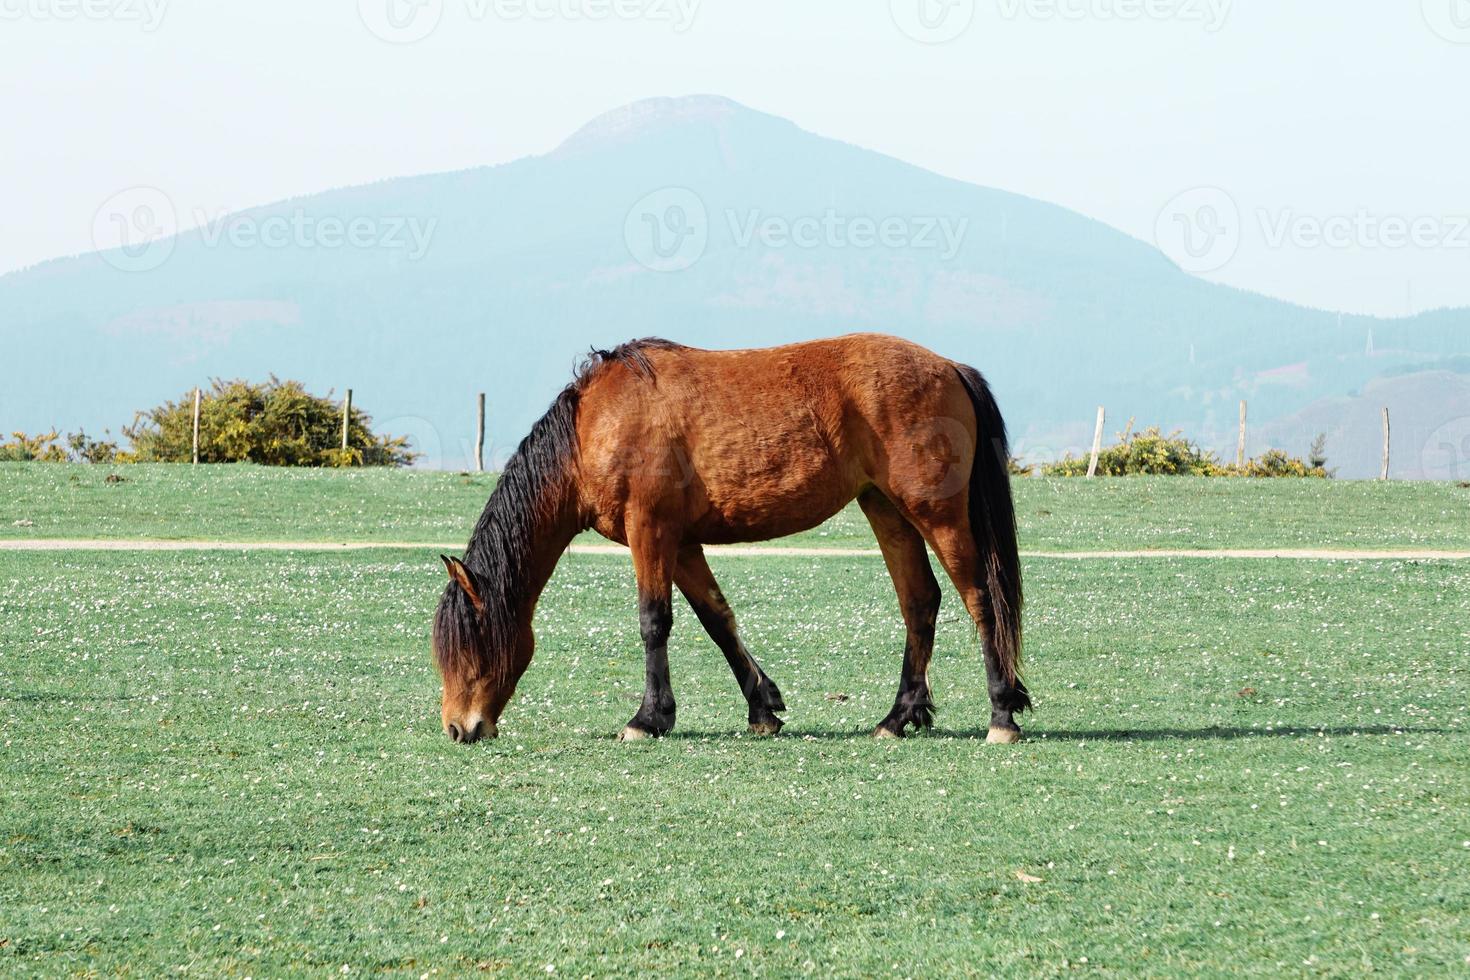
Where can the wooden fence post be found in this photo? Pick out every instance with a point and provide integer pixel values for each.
(1384, 475)
(480, 435)
(1096, 444)
(346, 415)
(1240, 443)
(197, 398)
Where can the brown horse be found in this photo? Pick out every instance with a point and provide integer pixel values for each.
(667, 448)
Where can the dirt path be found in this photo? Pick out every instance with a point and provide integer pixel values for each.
(743, 551)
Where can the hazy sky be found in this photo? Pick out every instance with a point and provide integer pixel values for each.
(1337, 130)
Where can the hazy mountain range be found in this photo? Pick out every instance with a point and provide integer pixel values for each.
(704, 221)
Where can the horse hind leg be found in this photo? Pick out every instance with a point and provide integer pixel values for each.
(955, 548)
(918, 599)
(697, 583)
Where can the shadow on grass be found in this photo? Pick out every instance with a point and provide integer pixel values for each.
(1213, 733)
(1222, 733)
(64, 697)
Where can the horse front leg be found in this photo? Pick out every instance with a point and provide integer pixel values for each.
(698, 584)
(654, 555)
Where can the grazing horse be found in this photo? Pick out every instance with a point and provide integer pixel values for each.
(667, 448)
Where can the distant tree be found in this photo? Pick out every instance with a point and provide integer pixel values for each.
(1317, 455)
(85, 449)
(278, 423)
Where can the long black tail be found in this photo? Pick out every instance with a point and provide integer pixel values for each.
(993, 523)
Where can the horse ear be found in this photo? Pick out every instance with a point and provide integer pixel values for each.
(460, 575)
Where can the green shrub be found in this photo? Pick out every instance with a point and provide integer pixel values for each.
(1151, 453)
(1275, 463)
(278, 423)
(26, 449)
(80, 448)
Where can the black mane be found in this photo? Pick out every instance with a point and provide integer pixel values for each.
(499, 555)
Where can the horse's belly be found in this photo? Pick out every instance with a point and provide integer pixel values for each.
(767, 491)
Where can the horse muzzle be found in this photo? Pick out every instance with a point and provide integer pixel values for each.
(472, 730)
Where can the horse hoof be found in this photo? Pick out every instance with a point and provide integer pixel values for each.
(772, 727)
(880, 732)
(1003, 736)
(631, 734)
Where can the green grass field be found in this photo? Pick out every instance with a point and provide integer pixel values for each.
(228, 763)
(247, 503)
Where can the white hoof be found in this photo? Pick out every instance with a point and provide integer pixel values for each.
(631, 734)
(882, 733)
(1003, 736)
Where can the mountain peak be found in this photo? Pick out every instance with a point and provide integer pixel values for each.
(637, 118)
